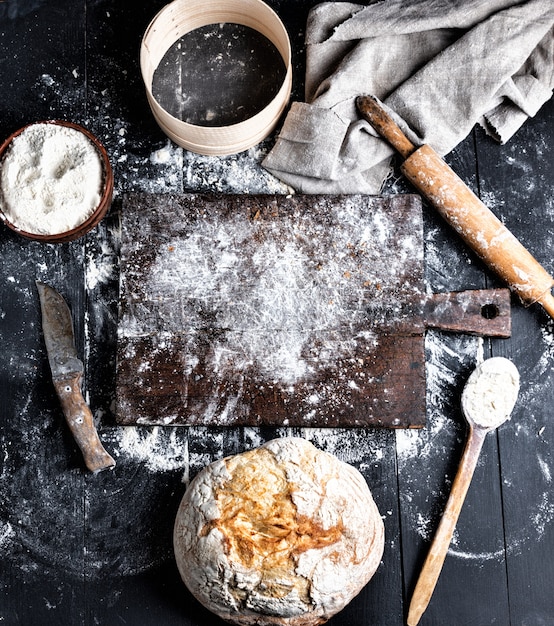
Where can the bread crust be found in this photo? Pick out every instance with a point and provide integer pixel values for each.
(282, 535)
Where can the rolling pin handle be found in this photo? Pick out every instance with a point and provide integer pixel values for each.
(547, 303)
(383, 123)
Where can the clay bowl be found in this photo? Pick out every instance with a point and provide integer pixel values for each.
(105, 197)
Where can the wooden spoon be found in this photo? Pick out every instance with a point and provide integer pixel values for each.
(488, 399)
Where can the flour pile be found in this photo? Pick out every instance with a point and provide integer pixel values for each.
(491, 392)
(51, 179)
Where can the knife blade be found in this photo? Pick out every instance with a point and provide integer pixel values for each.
(67, 373)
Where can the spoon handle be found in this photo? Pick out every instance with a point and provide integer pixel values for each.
(439, 547)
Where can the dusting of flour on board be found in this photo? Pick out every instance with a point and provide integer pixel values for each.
(268, 287)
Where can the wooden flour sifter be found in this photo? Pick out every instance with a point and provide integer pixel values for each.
(463, 210)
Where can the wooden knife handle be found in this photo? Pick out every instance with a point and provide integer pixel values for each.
(81, 424)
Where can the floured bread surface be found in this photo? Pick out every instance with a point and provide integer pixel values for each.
(284, 534)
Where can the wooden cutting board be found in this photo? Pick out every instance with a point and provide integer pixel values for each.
(274, 310)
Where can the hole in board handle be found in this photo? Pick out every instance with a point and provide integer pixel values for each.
(490, 311)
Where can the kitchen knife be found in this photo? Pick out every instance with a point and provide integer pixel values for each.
(67, 372)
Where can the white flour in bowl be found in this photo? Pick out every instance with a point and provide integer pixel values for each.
(51, 179)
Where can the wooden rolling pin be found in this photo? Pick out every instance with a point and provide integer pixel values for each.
(463, 210)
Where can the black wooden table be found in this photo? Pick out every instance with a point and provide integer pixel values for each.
(82, 549)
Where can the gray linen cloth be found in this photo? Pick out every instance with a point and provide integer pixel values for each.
(440, 66)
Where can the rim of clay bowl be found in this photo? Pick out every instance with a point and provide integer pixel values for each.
(107, 192)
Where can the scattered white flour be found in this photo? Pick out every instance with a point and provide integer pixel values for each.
(443, 362)
(544, 364)
(6, 534)
(100, 266)
(154, 449)
(51, 179)
(163, 155)
(545, 469)
(491, 392)
(542, 516)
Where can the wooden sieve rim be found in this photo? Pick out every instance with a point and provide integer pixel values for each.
(179, 18)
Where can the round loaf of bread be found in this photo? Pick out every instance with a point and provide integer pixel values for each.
(284, 534)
